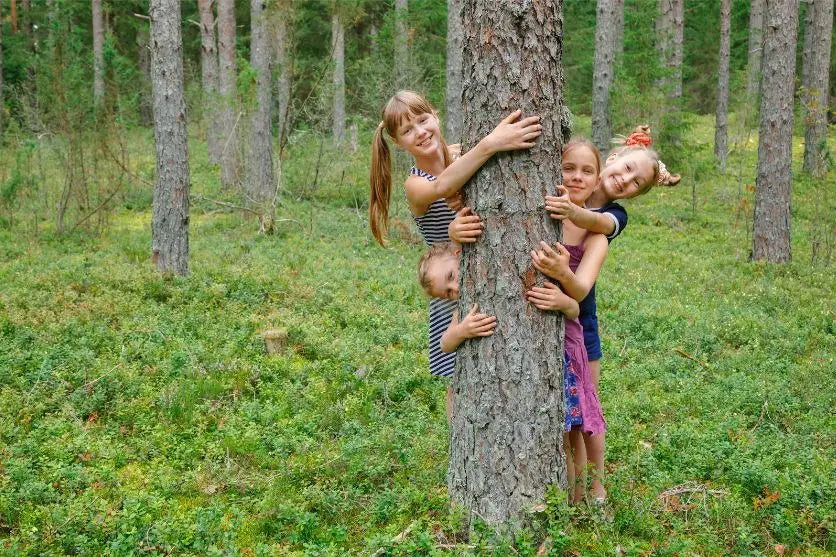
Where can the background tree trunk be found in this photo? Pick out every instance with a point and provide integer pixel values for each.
(283, 69)
(227, 76)
(13, 15)
(209, 78)
(454, 71)
(771, 222)
(338, 48)
(170, 211)
(98, 51)
(146, 103)
(2, 112)
(721, 122)
(754, 66)
(507, 424)
(608, 15)
(670, 28)
(260, 182)
(817, 86)
(401, 43)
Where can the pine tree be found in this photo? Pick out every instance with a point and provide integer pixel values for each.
(507, 418)
(721, 121)
(670, 28)
(454, 71)
(283, 68)
(401, 44)
(260, 184)
(98, 51)
(2, 105)
(209, 78)
(227, 77)
(816, 84)
(755, 62)
(338, 49)
(609, 17)
(771, 221)
(170, 211)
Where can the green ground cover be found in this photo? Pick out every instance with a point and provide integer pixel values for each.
(140, 415)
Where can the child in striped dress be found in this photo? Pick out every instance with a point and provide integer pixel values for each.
(412, 124)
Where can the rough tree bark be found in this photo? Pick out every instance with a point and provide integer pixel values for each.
(608, 15)
(507, 423)
(260, 184)
(98, 51)
(170, 210)
(227, 75)
(754, 65)
(209, 78)
(670, 29)
(454, 71)
(401, 43)
(283, 70)
(771, 221)
(816, 85)
(721, 120)
(338, 49)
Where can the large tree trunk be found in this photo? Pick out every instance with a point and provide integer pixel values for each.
(507, 418)
(771, 222)
(227, 76)
(170, 211)
(816, 85)
(283, 80)
(754, 65)
(721, 123)
(98, 51)
(454, 71)
(338, 48)
(670, 28)
(609, 17)
(260, 182)
(401, 44)
(209, 78)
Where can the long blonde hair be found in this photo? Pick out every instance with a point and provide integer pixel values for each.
(401, 105)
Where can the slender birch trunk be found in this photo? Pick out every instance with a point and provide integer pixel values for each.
(170, 211)
(260, 184)
(98, 52)
(338, 49)
(608, 15)
(507, 419)
(721, 120)
(817, 86)
(227, 92)
(771, 221)
(454, 71)
(209, 78)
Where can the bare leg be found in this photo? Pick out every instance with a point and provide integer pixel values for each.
(595, 373)
(449, 404)
(595, 452)
(570, 467)
(579, 461)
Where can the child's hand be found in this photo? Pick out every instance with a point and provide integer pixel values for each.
(551, 298)
(550, 262)
(477, 324)
(561, 207)
(465, 228)
(513, 133)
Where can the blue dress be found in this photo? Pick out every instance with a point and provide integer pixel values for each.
(433, 227)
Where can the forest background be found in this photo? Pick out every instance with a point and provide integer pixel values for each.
(141, 414)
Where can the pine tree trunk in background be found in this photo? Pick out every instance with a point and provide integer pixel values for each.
(754, 65)
(670, 28)
(606, 34)
(98, 51)
(27, 18)
(809, 13)
(14, 16)
(170, 211)
(817, 86)
(454, 71)
(283, 81)
(260, 184)
(338, 48)
(401, 44)
(209, 78)
(2, 110)
(771, 221)
(227, 92)
(146, 103)
(721, 121)
(507, 418)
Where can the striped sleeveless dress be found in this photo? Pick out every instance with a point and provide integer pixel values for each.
(433, 227)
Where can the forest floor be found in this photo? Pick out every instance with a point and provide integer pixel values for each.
(140, 414)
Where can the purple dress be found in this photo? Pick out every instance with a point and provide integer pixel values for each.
(582, 398)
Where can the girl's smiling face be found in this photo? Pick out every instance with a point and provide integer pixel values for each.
(580, 173)
(628, 175)
(419, 134)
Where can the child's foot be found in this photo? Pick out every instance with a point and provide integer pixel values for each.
(597, 493)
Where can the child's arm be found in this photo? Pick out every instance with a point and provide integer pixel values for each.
(509, 135)
(472, 326)
(550, 297)
(561, 207)
(556, 265)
